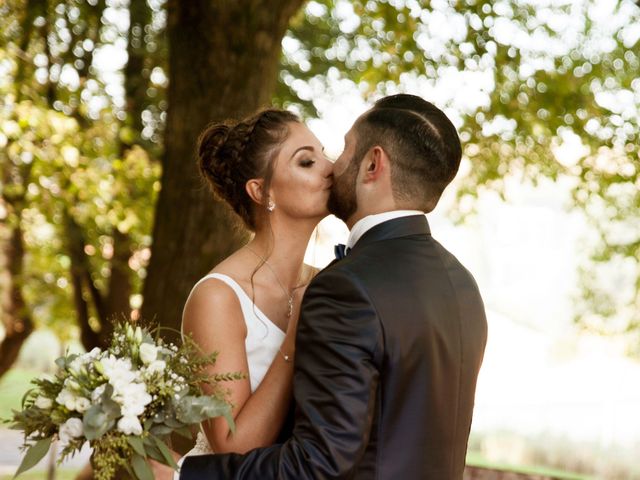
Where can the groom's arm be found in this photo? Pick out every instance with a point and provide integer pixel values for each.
(335, 383)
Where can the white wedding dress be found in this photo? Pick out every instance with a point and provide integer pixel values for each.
(262, 343)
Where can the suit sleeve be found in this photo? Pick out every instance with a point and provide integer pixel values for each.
(335, 383)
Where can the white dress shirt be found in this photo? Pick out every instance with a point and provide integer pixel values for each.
(365, 224)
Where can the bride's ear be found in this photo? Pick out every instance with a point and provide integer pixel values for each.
(254, 190)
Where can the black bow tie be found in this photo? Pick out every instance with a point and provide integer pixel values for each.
(340, 251)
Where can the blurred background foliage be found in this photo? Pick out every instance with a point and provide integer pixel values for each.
(83, 115)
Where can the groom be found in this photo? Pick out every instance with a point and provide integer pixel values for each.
(390, 338)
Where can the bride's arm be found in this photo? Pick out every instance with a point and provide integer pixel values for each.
(213, 317)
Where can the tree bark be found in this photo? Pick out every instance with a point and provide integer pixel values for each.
(16, 317)
(223, 63)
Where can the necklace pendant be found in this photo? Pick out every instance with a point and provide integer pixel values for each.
(290, 311)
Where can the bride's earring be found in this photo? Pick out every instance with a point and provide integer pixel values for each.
(271, 206)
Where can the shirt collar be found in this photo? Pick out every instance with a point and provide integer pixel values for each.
(365, 224)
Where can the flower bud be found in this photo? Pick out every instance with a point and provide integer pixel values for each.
(43, 402)
(99, 367)
(148, 353)
(138, 335)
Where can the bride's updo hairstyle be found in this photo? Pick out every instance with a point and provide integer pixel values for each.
(232, 153)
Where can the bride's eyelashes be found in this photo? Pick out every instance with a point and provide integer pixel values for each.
(306, 162)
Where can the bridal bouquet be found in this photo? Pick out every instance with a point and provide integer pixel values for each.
(123, 401)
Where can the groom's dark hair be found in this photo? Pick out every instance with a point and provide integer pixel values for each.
(421, 142)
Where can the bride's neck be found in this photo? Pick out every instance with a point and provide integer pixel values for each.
(284, 248)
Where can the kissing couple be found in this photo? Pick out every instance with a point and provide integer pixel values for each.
(379, 351)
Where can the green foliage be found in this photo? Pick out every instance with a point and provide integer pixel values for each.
(546, 80)
(34, 455)
(150, 388)
(553, 80)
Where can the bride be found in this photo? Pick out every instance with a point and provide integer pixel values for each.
(272, 171)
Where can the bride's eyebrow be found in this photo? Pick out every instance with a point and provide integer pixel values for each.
(306, 147)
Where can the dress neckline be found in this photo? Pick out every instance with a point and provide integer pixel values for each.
(246, 296)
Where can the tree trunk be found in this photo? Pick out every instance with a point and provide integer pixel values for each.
(16, 318)
(223, 63)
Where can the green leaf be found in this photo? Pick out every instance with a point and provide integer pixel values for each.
(229, 418)
(35, 453)
(196, 409)
(166, 453)
(141, 468)
(184, 432)
(152, 449)
(161, 430)
(137, 445)
(96, 423)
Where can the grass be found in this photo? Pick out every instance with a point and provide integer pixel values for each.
(475, 459)
(13, 386)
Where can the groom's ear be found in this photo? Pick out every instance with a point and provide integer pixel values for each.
(254, 190)
(375, 164)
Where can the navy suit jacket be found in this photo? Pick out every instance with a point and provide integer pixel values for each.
(388, 349)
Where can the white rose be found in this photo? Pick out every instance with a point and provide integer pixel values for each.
(148, 353)
(157, 366)
(82, 404)
(130, 425)
(72, 428)
(43, 402)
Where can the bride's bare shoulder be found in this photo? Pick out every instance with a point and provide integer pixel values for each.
(212, 304)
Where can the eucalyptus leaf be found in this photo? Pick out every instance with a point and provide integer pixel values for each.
(230, 421)
(137, 445)
(196, 409)
(166, 453)
(96, 423)
(173, 423)
(161, 430)
(34, 454)
(141, 468)
(184, 432)
(153, 451)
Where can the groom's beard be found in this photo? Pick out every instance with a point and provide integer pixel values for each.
(342, 197)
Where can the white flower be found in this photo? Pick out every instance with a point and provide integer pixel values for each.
(82, 404)
(76, 365)
(118, 371)
(95, 353)
(133, 399)
(72, 428)
(157, 366)
(148, 353)
(67, 398)
(43, 402)
(130, 425)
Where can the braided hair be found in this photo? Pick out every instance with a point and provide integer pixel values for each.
(232, 153)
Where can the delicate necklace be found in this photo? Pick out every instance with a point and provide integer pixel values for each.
(286, 292)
